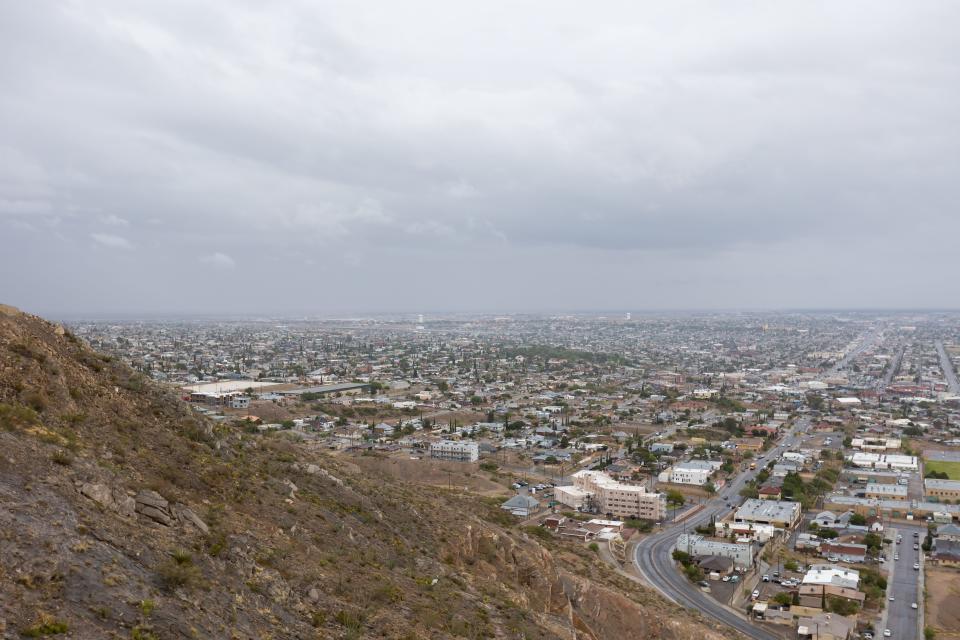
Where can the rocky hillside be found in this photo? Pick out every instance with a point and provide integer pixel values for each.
(123, 515)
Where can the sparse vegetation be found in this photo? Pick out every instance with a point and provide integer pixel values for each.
(45, 626)
(179, 571)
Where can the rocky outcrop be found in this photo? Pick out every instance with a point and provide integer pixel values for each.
(111, 498)
(148, 504)
(185, 515)
(153, 507)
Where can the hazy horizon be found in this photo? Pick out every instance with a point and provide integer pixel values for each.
(339, 158)
(431, 315)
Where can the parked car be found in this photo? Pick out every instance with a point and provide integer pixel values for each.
(916, 566)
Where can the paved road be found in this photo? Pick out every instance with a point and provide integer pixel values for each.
(653, 556)
(947, 367)
(901, 617)
(867, 340)
(892, 369)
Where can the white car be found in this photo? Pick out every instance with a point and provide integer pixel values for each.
(916, 566)
(887, 633)
(913, 606)
(755, 594)
(890, 598)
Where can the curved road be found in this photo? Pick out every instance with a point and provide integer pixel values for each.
(653, 558)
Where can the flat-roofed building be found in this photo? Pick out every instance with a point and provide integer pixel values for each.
(695, 472)
(875, 444)
(695, 544)
(885, 491)
(832, 574)
(460, 451)
(826, 580)
(598, 491)
(880, 461)
(783, 515)
(573, 497)
(940, 490)
(749, 444)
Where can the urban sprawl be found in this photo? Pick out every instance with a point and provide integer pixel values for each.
(791, 475)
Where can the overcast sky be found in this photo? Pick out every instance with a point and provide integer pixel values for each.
(219, 157)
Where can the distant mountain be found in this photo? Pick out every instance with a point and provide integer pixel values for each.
(123, 515)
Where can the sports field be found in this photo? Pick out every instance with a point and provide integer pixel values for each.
(952, 469)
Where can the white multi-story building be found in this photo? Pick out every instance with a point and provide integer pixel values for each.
(455, 450)
(597, 490)
(695, 472)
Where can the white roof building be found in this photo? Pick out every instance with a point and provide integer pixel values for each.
(884, 461)
(831, 574)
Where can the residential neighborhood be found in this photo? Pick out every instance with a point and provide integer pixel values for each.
(800, 470)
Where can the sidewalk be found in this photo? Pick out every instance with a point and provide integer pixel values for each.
(893, 568)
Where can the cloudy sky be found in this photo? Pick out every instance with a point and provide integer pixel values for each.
(323, 157)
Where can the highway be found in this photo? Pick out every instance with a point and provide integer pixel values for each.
(947, 367)
(653, 556)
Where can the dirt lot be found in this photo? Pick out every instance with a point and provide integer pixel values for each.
(265, 410)
(441, 474)
(943, 602)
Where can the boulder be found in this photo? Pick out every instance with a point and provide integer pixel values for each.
(152, 513)
(187, 516)
(125, 505)
(99, 493)
(153, 506)
(153, 499)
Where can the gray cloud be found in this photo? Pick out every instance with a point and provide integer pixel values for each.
(112, 241)
(219, 260)
(471, 155)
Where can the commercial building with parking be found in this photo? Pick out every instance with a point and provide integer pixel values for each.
(783, 515)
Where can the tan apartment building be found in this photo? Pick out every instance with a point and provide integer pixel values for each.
(595, 490)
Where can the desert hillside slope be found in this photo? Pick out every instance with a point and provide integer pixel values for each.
(123, 515)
